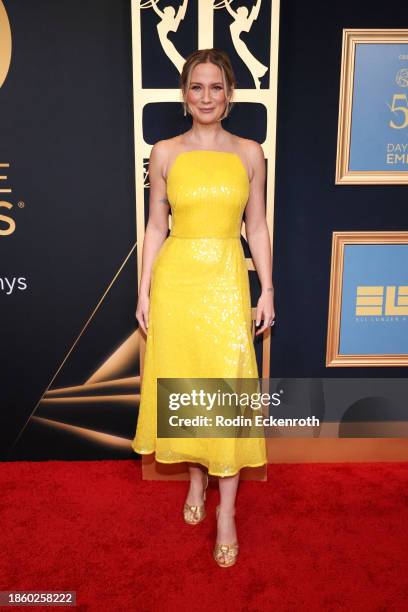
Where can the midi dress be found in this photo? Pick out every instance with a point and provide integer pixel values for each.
(200, 306)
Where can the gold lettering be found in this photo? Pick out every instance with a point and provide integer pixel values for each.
(11, 223)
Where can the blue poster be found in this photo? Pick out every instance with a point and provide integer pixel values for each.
(379, 121)
(374, 306)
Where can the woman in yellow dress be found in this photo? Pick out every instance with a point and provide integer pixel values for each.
(194, 296)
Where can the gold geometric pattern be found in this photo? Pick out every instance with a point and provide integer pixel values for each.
(106, 386)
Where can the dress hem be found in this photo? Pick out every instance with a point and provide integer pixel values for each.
(250, 465)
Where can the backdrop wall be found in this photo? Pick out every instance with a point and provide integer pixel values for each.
(66, 137)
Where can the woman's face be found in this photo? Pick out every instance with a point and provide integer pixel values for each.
(206, 99)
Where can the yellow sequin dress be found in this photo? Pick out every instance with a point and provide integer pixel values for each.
(200, 310)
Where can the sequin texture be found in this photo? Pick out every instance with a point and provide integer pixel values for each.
(200, 310)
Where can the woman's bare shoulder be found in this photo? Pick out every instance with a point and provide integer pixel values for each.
(252, 152)
(252, 148)
(167, 145)
(163, 152)
(166, 150)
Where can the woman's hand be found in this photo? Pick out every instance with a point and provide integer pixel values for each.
(142, 312)
(265, 311)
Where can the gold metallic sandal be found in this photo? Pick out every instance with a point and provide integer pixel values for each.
(195, 514)
(225, 555)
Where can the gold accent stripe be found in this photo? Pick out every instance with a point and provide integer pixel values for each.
(102, 438)
(91, 399)
(369, 311)
(366, 290)
(364, 300)
(120, 382)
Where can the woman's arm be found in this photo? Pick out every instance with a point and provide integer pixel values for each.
(258, 237)
(156, 228)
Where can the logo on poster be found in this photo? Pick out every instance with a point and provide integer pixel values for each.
(381, 300)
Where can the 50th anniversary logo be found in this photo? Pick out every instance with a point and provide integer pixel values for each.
(7, 224)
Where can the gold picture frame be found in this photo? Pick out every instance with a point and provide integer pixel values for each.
(339, 241)
(351, 39)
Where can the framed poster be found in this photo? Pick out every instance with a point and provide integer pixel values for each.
(372, 138)
(368, 302)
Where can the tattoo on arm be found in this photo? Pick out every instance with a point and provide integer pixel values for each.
(164, 200)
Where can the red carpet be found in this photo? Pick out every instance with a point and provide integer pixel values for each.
(314, 537)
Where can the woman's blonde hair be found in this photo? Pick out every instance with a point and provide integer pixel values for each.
(213, 56)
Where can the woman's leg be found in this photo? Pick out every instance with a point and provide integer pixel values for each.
(226, 530)
(195, 496)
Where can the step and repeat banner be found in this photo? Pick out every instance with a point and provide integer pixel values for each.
(86, 89)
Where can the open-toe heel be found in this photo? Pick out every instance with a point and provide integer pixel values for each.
(225, 555)
(195, 514)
